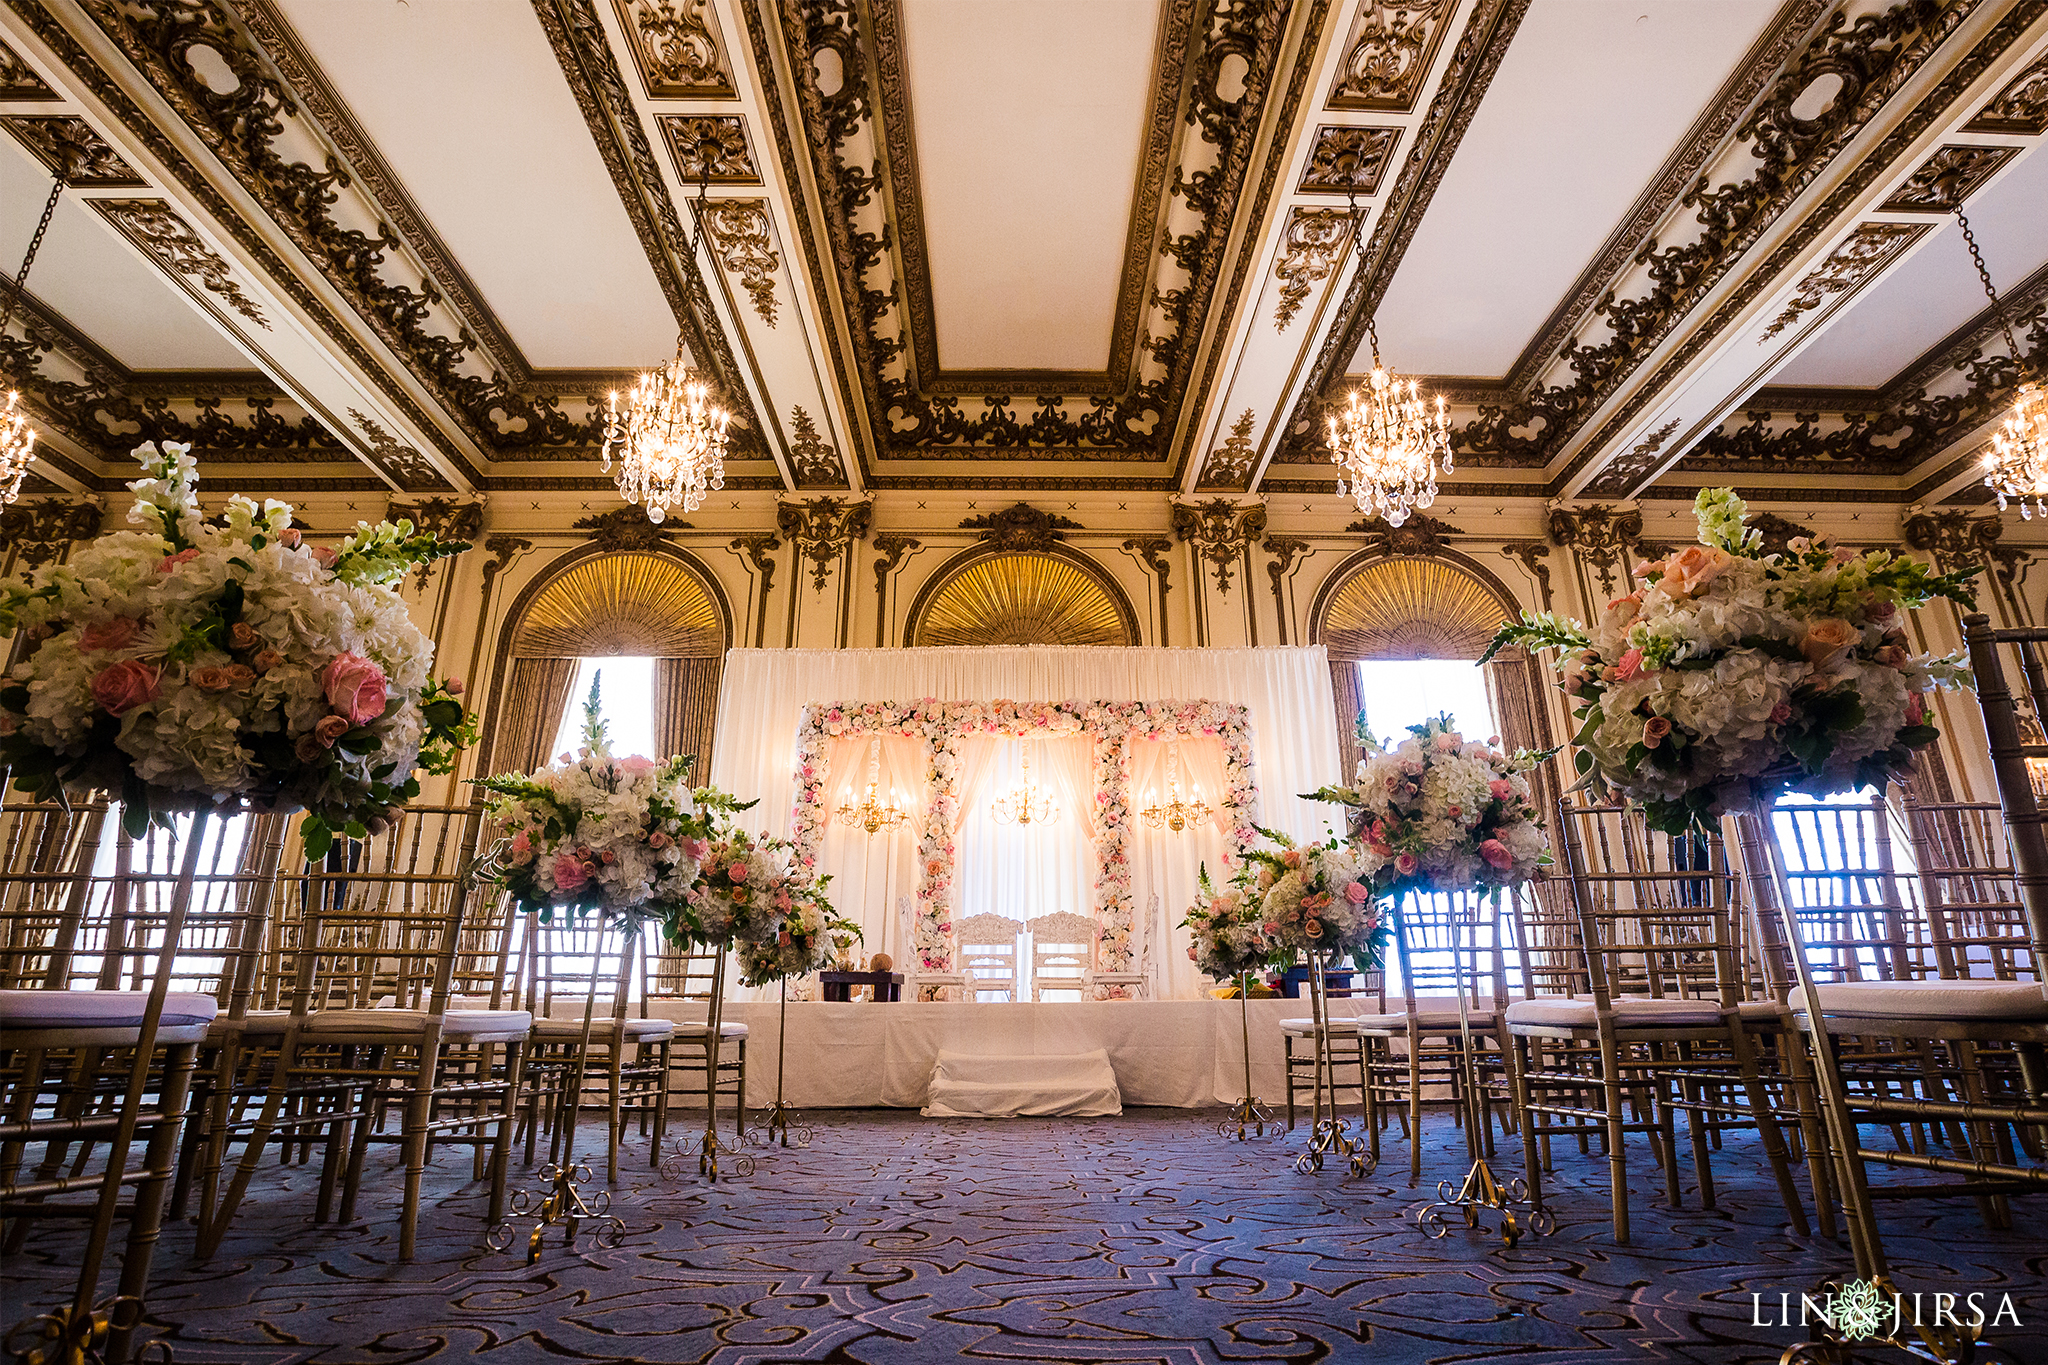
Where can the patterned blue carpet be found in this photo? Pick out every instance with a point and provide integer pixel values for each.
(1140, 1239)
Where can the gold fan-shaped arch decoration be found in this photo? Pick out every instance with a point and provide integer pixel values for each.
(1411, 609)
(625, 604)
(1021, 599)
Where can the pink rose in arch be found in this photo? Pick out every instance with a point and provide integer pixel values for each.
(113, 633)
(171, 562)
(1405, 864)
(1356, 893)
(1496, 855)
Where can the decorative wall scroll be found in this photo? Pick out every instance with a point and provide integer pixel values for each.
(823, 528)
(43, 530)
(1418, 536)
(1220, 530)
(1601, 535)
(1021, 527)
(941, 725)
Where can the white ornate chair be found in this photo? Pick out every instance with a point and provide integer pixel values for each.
(988, 955)
(1061, 946)
(1140, 982)
(916, 980)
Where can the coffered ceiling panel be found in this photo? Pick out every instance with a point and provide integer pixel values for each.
(465, 100)
(96, 284)
(1029, 119)
(1934, 291)
(1587, 104)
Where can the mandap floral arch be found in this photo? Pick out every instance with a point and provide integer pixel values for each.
(940, 725)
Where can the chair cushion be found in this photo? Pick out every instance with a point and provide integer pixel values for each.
(102, 1009)
(1949, 1000)
(1630, 1011)
(697, 1028)
(1433, 1018)
(268, 1023)
(636, 1029)
(1306, 1028)
(454, 1024)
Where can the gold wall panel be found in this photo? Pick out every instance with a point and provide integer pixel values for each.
(1410, 609)
(627, 604)
(1021, 599)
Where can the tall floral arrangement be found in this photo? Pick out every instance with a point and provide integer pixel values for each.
(1228, 930)
(1317, 898)
(1441, 813)
(797, 933)
(618, 836)
(747, 885)
(189, 662)
(1729, 673)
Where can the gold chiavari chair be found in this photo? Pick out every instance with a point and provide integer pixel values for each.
(679, 983)
(371, 1027)
(1344, 1046)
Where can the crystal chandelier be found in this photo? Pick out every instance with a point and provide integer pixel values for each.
(872, 813)
(1388, 442)
(670, 435)
(1025, 804)
(1176, 814)
(2017, 467)
(17, 437)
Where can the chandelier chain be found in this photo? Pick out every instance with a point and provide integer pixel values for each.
(1990, 290)
(28, 261)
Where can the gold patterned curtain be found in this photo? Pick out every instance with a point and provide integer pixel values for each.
(1344, 683)
(536, 693)
(685, 705)
(1514, 682)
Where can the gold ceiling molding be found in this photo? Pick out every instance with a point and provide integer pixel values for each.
(170, 241)
(1392, 45)
(1410, 609)
(741, 236)
(1313, 244)
(1019, 599)
(711, 147)
(1230, 464)
(19, 81)
(631, 604)
(1868, 250)
(72, 151)
(816, 462)
(676, 44)
(1947, 178)
(2022, 107)
(1348, 160)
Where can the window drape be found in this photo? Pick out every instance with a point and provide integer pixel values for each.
(1017, 871)
(1350, 700)
(869, 871)
(529, 714)
(686, 709)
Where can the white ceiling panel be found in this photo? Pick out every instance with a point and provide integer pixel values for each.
(465, 100)
(1030, 118)
(1935, 290)
(95, 281)
(1590, 99)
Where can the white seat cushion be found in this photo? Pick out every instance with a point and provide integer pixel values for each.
(1630, 1011)
(1306, 1028)
(637, 1030)
(697, 1028)
(269, 1023)
(1433, 1018)
(471, 1024)
(1955, 1001)
(102, 1009)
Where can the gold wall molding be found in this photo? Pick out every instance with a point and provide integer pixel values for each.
(627, 528)
(1601, 536)
(823, 530)
(1221, 531)
(41, 531)
(741, 235)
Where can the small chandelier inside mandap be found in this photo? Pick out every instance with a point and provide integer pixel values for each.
(671, 437)
(873, 814)
(1025, 804)
(17, 436)
(2017, 467)
(1175, 814)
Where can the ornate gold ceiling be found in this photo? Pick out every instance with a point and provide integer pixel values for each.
(1020, 599)
(273, 174)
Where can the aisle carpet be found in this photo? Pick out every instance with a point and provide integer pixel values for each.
(1139, 1239)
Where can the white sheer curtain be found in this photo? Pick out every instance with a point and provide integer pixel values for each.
(869, 871)
(1023, 871)
(762, 693)
(1169, 863)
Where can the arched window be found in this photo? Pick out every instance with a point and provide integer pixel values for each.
(1021, 598)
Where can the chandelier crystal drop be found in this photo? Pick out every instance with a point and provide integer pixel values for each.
(671, 440)
(872, 814)
(1175, 814)
(2016, 468)
(1025, 804)
(17, 447)
(1390, 446)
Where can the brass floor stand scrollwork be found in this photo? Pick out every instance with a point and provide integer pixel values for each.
(780, 1122)
(1868, 1314)
(65, 1336)
(1330, 1135)
(676, 1163)
(1247, 1118)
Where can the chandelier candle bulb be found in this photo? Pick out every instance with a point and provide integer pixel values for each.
(2017, 467)
(671, 440)
(17, 447)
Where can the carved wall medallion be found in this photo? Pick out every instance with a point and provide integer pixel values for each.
(740, 234)
(1947, 178)
(1021, 527)
(710, 146)
(1958, 540)
(411, 469)
(676, 45)
(1778, 532)
(824, 528)
(19, 81)
(1230, 464)
(1349, 160)
(71, 149)
(1602, 537)
(815, 460)
(1392, 45)
(1869, 249)
(172, 244)
(41, 530)
(1221, 530)
(1532, 553)
(1314, 242)
(2022, 107)
(627, 528)
(1419, 535)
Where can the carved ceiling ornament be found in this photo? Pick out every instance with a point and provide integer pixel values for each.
(627, 528)
(815, 460)
(171, 243)
(1314, 242)
(1392, 45)
(1348, 160)
(1641, 459)
(73, 151)
(1230, 464)
(1420, 535)
(40, 531)
(1947, 178)
(1868, 250)
(19, 81)
(1222, 530)
(676, 46)
(822, 529)
(412, 470)
(1601, 536)
(710, 147)
(1021, 527)
(1960, 541)
(741, 235)
(2022, 107)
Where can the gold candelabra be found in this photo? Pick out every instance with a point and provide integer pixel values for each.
(1175, 814)
(872, 813)
(1025, 804)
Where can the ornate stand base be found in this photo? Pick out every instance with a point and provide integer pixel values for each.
(706, 1152)
(1332, 1135)
(561, 1203)
(60, 1337)
(781, 1123)
(1247, 1113)
(1873, 1313)
(1482, 1191)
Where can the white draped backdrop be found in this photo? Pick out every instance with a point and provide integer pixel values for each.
(1294, 739)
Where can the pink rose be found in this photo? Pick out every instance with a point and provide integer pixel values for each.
(1781, 713)
(696, 849)
(1891, 656)
(657, 840)
(522, 848)
(1646, 568)
(171, 562)
(211, 679)
(1313, 928)
(1916, 708)
(120, 688)
(1626, 609)
(570, 874)
(308, 749)
(113, 633)
(1692, 570)
(243, 637)
(1496, 854)
(738, 872)
(1446, 743)
(1826, 638)
(329, 728)
(289, 537)
(265, 660)
(325, 555)
(354, 687)
(453, 687)
(1628, 665)
(1356, 893)
(1655, 731)
(1501, 789)
(1405, 864)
